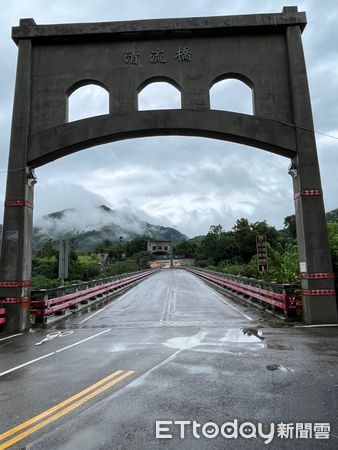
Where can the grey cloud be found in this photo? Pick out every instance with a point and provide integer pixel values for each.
(188, 182)
(64, 196)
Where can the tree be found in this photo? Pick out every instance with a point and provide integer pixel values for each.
(45, 266)
(114, 250)
(333, 238)
(245, 234)
(48, 250)
(187, 248)
(139, 244)
(245, 238)
(143, 259)
(216, 230)
(241, 225)
(290, 226)
(332, 216)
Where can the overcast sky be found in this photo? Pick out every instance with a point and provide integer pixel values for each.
(188, 183)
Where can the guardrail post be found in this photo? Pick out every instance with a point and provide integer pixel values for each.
(84, 286)
(291, 302)
(2, 316)
(45, 295)
(60, 291)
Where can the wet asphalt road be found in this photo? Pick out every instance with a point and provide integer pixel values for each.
(195, 356)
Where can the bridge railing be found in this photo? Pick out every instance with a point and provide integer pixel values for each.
(46, 302)
(283, 298)
(2, 316)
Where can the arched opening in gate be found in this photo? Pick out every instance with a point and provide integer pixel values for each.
(159, 93)
(232, 92)
(87, 98)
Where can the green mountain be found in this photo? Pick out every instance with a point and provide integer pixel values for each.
(90, 226)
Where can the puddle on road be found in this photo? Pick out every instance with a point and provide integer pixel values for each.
(233, 335)
(253, 332)
(186, 342)
(245, 335)
(273, 367)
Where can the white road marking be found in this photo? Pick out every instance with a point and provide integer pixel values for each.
(166, 304)
(233, 307)
(25, 364)
(52, 353)
(102, 309)
(319, 325)
(140, 379)
(173, 304)
(9, 337)
(80, 342)
(55, 334)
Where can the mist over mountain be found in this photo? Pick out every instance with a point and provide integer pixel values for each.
(90, 226)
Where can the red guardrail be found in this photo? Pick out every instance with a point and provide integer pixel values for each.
(2, 313)
(288, 302)
(41, 308)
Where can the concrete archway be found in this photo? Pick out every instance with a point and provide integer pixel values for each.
(264, 50)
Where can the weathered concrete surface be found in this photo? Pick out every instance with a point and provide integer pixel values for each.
(258, 132)
(16, 246)
(194, 357)
(262, 50)
(250, 23)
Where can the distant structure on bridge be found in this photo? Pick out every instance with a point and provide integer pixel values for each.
(159, 247)
(161, 250)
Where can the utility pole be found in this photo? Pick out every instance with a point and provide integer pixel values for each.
(171, 256)
(63, 260)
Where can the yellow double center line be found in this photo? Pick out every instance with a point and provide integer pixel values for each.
(61, 409)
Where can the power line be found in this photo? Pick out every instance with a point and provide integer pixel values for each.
(12, 170)
(308, 129)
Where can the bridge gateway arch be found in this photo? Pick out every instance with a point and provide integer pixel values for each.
(264, 51)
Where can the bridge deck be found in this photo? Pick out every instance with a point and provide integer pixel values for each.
(194, 355)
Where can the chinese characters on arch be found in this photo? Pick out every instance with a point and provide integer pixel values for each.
(159, 56)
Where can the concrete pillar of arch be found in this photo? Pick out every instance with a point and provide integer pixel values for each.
(16, 249)
(317, 281)
(195, 96)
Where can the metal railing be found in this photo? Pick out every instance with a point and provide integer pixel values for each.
(2, 314)
(284, 298)
(56, 301)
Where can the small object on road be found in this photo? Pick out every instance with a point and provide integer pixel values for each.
(273, 367)
(55, 334)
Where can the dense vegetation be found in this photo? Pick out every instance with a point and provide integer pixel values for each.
(235, 251)
(123, 257)
(226, 251)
